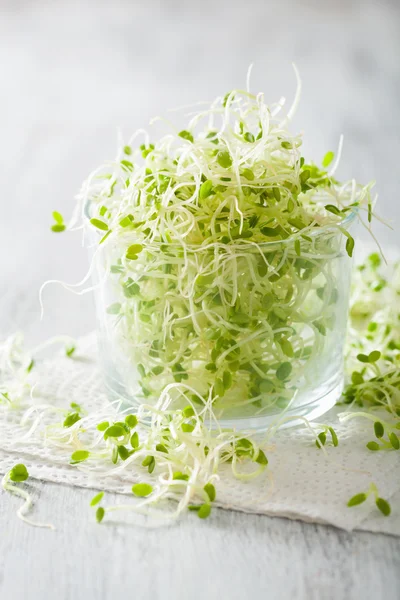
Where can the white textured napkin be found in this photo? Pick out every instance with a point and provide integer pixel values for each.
(303, 482)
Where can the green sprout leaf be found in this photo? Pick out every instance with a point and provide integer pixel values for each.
(71, 419)
(142, 490)
(131, 421)
(283, 371)
(134, 441)
(123, 452)
(373, 446)
(210, 491)
(70, 350)
(58, 228)
(127, 164)
(103, 239)
(161, 448)
(244, 447)
(58, 217)
(187, 427)
(383, 506)
(363, 358)
(224, 159)
(374, 356)
(114, 309)
(328, 158)
(115, 431)
(374, 260)
(334, 437)
(19, 472)
(186, 135)
(133, 251)
(100, 512)
(261, 458)
(204, 511)
(357, 378)
(349, 241)
(357, 499)
(394, 440)
(333, 209)
(99, 224)
(206, 189)
(79, 456)
(248, 173)
(126, 221)
(103, 426)
(150, 463)
(188, 412)
(227, 380)
(96, 499)
(59, 224)
(179, 476)
(379, 429)
(350, 246)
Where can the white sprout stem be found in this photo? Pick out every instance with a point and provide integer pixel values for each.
(9, 487)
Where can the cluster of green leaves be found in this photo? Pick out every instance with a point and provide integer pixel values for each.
(373, 360)
(121, 439)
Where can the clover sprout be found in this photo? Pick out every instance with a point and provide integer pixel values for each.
(59, 224)
(382, 504)
(19, 473)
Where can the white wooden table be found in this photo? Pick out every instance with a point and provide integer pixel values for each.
(71, 72)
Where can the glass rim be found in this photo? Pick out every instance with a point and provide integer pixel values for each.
(334, 228)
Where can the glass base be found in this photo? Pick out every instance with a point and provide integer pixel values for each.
(322, 400)
(289, 418)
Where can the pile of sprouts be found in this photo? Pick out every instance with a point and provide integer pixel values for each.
(218, 254)
(373, 351)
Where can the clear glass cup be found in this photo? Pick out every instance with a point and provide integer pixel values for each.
(259, 330)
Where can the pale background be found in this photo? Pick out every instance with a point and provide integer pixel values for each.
(71, 73)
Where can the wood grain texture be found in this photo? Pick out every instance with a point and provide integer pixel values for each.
(232, 556)
(71, 72)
